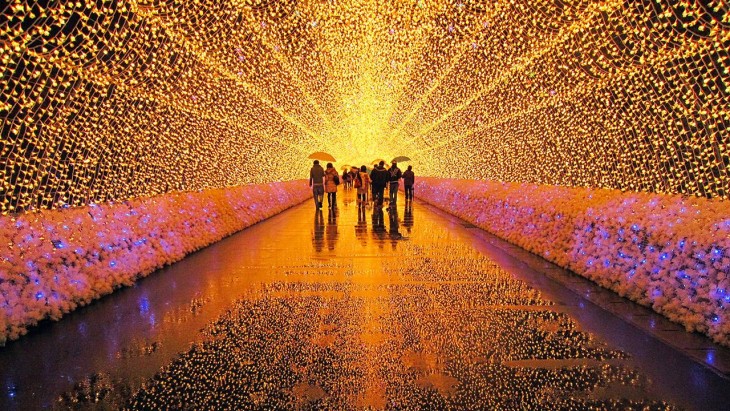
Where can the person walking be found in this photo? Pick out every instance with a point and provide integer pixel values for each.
(354, 172)
(394, 176)
(316, 181)
(409, 178)
(331, 181)
(380, 178)
(346, 180)
(362, 182)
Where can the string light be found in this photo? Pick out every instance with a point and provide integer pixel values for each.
(110, 100)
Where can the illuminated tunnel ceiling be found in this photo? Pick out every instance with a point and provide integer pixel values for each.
(109, 100)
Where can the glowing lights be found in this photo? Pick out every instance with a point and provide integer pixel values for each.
(47, 278)
(113, 100)
(687, 283)
(442, 327)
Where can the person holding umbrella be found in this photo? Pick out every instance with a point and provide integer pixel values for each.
(394, 175)
(316, 181)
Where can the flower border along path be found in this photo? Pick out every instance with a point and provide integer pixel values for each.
(667, 252)
(52, 262)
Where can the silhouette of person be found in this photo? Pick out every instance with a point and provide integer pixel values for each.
(394, 175)
(409, 178)
(316, 182)
(380, 178)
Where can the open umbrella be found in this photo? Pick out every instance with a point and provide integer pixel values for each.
(345, 167)
(321, 155)
(377, 161)
(400, 159)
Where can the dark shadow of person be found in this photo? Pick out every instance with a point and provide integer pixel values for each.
(408, 216)
(361, 228)
(379, 231)
(394, 222)
(318, 233)
(331, 234)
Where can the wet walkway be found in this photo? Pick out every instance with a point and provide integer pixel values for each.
(407, 309)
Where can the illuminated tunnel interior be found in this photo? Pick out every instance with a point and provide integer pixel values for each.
(591, 134)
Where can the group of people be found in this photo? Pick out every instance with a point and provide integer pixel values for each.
(326, 181)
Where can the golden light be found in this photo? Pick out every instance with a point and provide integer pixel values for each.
(110, 100)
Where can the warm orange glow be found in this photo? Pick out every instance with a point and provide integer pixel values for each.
(108, 100)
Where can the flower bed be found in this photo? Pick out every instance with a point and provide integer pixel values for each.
(54, 261)
(668, 252)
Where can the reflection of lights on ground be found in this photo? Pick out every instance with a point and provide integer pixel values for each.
(432, 324)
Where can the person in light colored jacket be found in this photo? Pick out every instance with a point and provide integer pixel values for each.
(362, 190)
(331, 179)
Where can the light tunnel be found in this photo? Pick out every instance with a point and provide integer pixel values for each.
(590, 133)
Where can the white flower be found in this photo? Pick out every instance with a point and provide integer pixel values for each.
(55, 261)
(641, 245)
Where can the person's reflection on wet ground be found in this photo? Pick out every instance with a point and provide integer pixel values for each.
(379, 231)
(408, 216)
(331, 234)
(395, 235)
(318, 233)
(361, 228)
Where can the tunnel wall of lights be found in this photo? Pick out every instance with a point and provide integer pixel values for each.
(112, 103)
(107, 100)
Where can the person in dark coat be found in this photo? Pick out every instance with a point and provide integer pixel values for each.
(379, 177)
(316, 181)
(409, 178)
(394, 176)
(346, 179)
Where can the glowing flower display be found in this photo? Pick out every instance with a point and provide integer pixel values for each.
(668, 252)
(57, 260)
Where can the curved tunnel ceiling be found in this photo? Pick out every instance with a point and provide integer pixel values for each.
(108, 100)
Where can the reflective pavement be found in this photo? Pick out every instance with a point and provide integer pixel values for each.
(408, 308)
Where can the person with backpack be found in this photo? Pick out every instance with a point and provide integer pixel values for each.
(362, 184)
(394, 175)
(409, 178)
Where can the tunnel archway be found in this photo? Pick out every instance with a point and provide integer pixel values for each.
(591, 133)
(115, 100)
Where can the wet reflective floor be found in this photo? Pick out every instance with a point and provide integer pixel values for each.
(407, 308)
